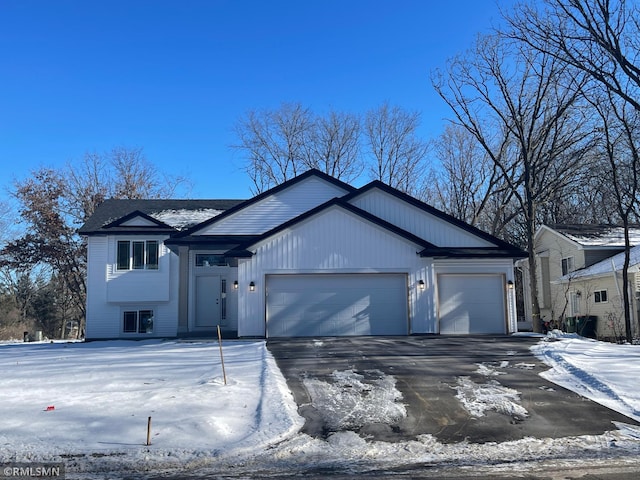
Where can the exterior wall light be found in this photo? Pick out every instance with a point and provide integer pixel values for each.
(235, 284)
(510, 284)
(421, 285)
(252, 287)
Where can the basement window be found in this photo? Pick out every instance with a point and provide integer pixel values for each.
(138, 321)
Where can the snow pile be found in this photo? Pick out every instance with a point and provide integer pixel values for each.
(478, 398)
(351, 400)
(603, 372)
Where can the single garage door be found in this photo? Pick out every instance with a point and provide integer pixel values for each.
(471, 304)
(336, 305)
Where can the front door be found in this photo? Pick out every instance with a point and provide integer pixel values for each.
(208, 300)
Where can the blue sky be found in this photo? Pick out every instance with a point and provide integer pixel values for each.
(173, 77)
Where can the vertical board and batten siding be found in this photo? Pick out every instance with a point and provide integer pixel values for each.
(276, 209)
(415, 220)
(104, 315)
(334, 241)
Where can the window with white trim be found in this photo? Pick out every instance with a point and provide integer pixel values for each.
(600, 296)
(137, 255)
(137, 321)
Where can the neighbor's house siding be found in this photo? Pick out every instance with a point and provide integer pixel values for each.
(551, 248)
(110, 292)
(610, 317)
(276, 209)
(335, 241)
(415, 220)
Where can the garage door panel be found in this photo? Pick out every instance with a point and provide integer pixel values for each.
(336, 305)
(471, 304)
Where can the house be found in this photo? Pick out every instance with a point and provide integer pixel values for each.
(313, 256)
(579, 277)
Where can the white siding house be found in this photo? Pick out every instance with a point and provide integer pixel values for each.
(311, 257)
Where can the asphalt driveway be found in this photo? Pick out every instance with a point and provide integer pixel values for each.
(433, 374)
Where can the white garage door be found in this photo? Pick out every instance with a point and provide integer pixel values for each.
(336, 305)
(471, 304)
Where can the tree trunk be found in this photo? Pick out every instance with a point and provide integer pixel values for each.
(625, 282)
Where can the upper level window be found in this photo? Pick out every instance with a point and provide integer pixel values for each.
(567, 265)
(600, 296)
(137, 254)
(210, 260)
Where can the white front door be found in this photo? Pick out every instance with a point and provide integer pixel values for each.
(208, 301)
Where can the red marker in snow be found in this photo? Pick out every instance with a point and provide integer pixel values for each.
(49, 408)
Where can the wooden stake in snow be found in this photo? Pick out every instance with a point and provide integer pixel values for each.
(224, 374)
(149, 431)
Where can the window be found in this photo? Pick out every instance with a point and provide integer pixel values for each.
(210, 260)
(138, 321)
(137, 255)
(567, 265)
(600, 296)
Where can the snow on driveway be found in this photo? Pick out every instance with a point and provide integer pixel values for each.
(102, 393)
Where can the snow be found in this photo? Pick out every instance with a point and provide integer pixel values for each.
(603, 372)
(478, 398)
(348, 401)
(606, 266)
(612, 237)
(183, 218)
(102, 394)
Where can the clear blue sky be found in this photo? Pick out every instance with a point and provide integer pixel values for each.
(173, 77)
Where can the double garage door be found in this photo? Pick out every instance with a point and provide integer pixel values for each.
(377, 304)
(469, 304)
(337, 305)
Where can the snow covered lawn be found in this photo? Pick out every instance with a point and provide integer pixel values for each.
(87, 404)
(69, 400)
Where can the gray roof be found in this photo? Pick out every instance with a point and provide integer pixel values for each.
(170, 215)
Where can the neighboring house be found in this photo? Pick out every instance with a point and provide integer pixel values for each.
(311, 257)
(576, 282)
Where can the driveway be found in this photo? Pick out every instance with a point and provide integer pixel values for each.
(456, 388)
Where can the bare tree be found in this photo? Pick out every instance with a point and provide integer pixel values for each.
(619, 140)
(398, 153)
(273, 142)
(333, 145)
(598, 37)
(53, 202)
(122, 172)
(466, 179)
(521, 105)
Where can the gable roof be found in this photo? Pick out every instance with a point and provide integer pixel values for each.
(600, 236)
(428, 249)
(169, 215)
(283, 186)
(500, 244)
(242, 250)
